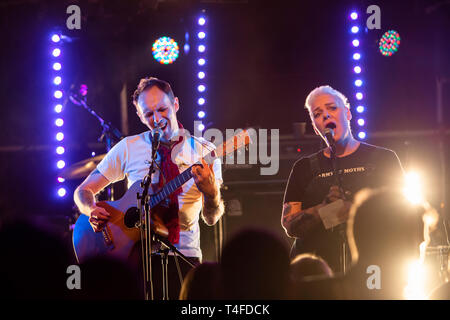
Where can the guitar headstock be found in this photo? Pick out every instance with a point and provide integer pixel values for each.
(239, 140)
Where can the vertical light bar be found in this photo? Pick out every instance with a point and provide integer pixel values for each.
(201, 74)
(57, 106)
(354, 30)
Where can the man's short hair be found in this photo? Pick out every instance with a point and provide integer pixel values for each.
(325, 90)
(147, 83)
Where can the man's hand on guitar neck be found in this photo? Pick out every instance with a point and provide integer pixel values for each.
(206, 182)
(205, 179)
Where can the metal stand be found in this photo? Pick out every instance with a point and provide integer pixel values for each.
(145, 228)
(109, 132)
(341, 228)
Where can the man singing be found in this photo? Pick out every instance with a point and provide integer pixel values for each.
(316, 182)
(155, 103)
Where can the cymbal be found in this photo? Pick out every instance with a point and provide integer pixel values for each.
(82, 168)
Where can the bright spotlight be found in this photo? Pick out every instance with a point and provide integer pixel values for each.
(413, 188)
(415, 289)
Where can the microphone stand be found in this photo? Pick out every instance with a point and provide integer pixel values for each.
(145, 225)
(341, 228)
(109, 132)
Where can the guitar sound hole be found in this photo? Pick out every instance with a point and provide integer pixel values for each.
(131, 217)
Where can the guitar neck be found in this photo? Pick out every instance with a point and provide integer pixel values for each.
(170, 187)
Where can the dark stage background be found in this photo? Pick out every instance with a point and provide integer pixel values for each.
(263, 59)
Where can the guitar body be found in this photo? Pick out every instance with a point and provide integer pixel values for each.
(116, 239)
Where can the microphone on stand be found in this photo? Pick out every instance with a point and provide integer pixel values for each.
(157, 133)
(329, 135)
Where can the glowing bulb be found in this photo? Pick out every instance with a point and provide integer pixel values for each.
(57, 80)
(201, 88)
(201, 35)
(62, 192)
(358, 83)
(360, 109)
(354, 15)
(58, 94)
(355, 29)
(57, 66)
(201, 48)
(58, 108)
(357, 69)
(55, 38)
(59, 136)
(356, 56)
(56, 52)
(362, 135)
(201, 114)
(61, 179)
(201, 62)
(201, 101)
(60, 164)
(359, 95)
(201, 127)
(355, 43)
(201, 75)
(59, 122)
(60, 150)
(361, 122)
(201, 21)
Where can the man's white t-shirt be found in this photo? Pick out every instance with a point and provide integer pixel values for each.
(130, 158)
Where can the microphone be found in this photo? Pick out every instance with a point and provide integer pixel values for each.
(329, 135)
(157, 130)
(156, 135)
